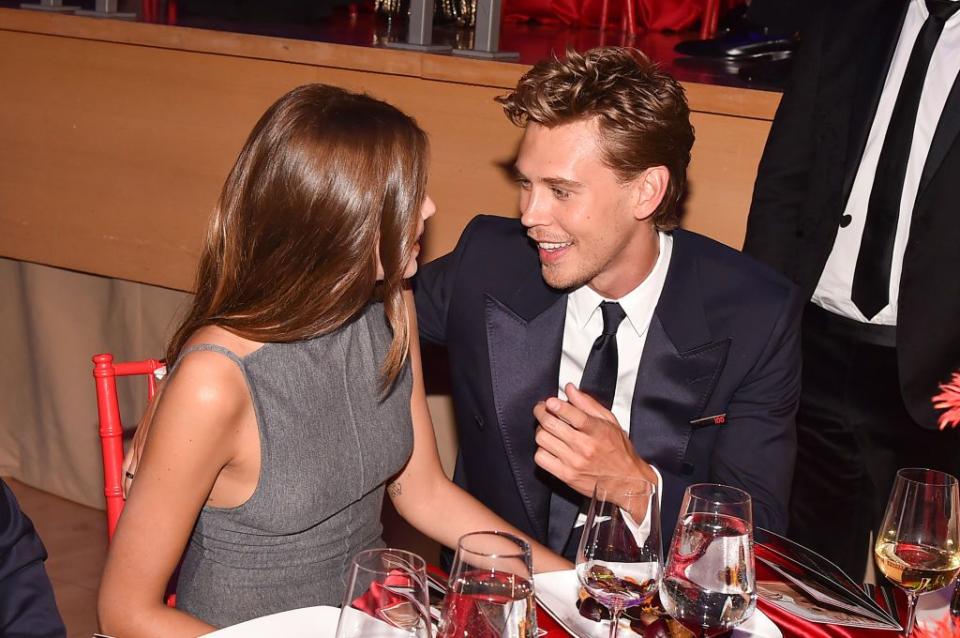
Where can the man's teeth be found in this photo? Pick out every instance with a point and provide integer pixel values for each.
(547, 245)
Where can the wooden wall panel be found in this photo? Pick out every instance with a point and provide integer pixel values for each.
(116, 138)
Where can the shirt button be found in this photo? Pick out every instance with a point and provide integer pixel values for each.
(845, 221)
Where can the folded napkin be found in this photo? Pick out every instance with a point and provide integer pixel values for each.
(391, 601)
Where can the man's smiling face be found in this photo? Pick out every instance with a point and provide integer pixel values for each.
(588, 225)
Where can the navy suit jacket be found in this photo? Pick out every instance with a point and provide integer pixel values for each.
(27, 606)
(724, 340)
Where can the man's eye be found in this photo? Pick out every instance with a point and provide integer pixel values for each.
(559, 193)
(522, 183)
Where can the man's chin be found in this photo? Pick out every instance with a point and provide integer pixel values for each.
(560, 280)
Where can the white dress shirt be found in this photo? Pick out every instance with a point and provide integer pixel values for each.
(833, 291)
(584, 323)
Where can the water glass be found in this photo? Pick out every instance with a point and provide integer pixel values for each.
(490, 592)
(709, 583)
(386, 596)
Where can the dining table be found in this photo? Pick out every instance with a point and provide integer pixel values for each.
(933, 621)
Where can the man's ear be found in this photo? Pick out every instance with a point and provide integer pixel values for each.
(651, 187)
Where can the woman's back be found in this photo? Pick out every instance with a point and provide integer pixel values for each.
(329, 439)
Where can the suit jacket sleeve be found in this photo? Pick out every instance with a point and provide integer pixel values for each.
(27, 605)
(786, 165)
(434, 288)
(757, 446)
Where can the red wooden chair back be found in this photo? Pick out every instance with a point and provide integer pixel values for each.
(105, 373)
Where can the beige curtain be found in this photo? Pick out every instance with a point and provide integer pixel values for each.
(52, 322)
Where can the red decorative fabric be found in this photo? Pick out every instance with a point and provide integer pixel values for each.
(653, 15)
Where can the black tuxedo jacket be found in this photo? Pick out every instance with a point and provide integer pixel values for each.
(724, 340)
(27, 605)
(807, 171)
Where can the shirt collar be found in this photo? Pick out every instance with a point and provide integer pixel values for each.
(924, 13)
(638, 304)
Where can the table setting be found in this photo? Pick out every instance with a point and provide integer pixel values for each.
(720, 577)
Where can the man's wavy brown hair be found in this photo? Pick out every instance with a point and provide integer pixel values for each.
(641, 113)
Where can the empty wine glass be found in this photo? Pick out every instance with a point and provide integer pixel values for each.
(490, 593)
(918, 546)
(709, 584)
(619, 558)
(386, 596)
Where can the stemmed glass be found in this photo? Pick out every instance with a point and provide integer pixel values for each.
(619, 558)
(918, 546)
(490, 592)
(709, 584)
(386, 596)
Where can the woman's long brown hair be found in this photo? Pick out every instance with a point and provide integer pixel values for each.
(325, 177)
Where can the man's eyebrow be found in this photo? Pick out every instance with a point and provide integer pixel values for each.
(549, 181)
(561, 182)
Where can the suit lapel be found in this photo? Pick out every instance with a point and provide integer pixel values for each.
(876, 52)
(943, 139)
(524, 339)
(680, 366)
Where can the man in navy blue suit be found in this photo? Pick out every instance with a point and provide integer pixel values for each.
(591, 337)
(27, 606)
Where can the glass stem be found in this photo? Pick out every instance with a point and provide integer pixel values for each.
(615, 612)
(911, 613)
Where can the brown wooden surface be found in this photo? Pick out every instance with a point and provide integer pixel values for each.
(116, 136)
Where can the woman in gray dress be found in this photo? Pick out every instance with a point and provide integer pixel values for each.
(295, 394)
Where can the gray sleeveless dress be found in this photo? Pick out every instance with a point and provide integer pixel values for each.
(329, 440)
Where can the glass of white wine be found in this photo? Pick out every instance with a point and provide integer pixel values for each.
(918, 544)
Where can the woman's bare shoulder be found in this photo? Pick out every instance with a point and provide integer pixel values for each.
(210, 379)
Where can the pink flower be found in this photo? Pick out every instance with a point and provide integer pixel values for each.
(949, 401)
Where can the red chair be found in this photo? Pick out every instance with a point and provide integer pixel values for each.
(105, 372)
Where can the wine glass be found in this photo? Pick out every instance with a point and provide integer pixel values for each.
(918, 546)
(709, 584)
(490, 593)
(619, 558)
(386, 596)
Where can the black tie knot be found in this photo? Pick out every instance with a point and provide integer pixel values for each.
(613, 314)
(943, 9)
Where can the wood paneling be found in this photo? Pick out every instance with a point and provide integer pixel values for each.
(116, 137)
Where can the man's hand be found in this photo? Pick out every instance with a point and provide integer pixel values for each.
(579, 440)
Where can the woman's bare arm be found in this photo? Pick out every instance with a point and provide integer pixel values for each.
(192, 437)
(427, 499)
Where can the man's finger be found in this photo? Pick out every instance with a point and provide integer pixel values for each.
(552, 444)
(555, 425)
(586, 403)
(566, 412)
(550, 463)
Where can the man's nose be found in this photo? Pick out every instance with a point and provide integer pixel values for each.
(533, 211)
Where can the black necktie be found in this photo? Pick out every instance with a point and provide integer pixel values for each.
(599, 381)
(871, 278)
(600, 374)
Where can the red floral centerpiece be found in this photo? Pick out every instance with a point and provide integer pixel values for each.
(949, 401)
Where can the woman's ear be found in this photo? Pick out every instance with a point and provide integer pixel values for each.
(651, 187)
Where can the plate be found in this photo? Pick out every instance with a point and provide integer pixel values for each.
(557, 594)
(307, 622)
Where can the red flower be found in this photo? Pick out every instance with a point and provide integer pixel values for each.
(949, 401)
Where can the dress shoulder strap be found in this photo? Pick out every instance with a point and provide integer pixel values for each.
(210, 347)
